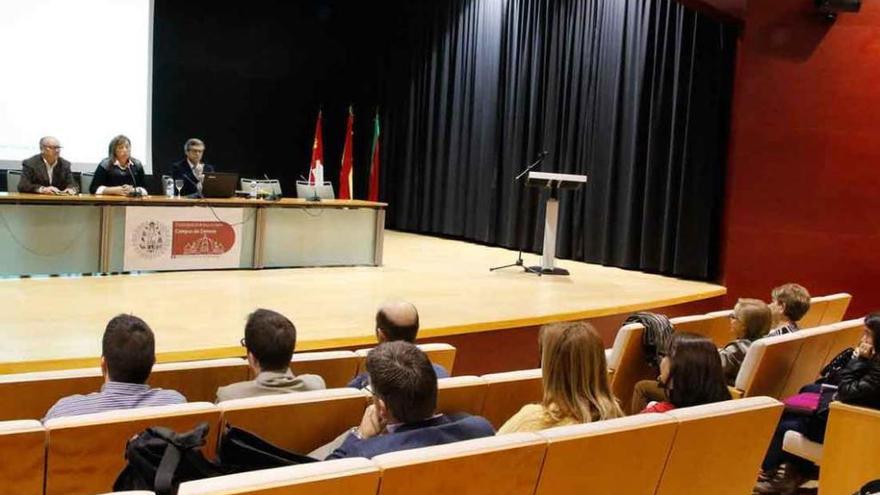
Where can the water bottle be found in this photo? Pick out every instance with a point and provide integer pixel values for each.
(169, 187)
(253, 189)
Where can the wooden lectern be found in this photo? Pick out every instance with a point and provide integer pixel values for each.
(553, 182)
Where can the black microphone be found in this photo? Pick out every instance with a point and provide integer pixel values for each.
(135, 193)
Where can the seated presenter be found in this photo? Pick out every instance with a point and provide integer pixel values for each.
(119, 174)
(47, 173)
(191, 170)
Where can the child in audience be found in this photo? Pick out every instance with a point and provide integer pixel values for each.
(749, 321)
(790, 302)
(575, 380)
(859, 384)
(691, 374)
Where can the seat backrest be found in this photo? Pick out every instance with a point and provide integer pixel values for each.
(816, 313)
(627, 363)
(715, 326)
(13, 177)
(198, 380)
(355, 476)
(848, 336)
(836, 309)
(461, 394)
(767, 365)
(30, 395)
(337, 368)
(507, 393)
(85, 182)
(22, 456)
(624, 455)
(508, 464)
(86, 453)
(850, 457)
(441, 354)
(300, 422)
(718, 448)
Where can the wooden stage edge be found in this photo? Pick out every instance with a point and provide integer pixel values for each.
(493, 325)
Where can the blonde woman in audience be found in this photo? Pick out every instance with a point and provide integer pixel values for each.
(575, 381)
(749, 321)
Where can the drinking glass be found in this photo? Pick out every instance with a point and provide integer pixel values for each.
(178, 183)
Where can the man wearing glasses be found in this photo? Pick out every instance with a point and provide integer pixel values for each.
(191, 170)
(47, 173)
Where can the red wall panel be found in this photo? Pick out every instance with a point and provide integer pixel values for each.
(803, 185)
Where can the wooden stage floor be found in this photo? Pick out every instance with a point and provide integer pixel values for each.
(57, 322)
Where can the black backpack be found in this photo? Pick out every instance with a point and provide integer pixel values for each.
(160, 459)
(871, 488)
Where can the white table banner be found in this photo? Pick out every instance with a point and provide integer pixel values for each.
(177, 238)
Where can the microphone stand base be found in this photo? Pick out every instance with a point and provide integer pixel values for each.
(548, 271)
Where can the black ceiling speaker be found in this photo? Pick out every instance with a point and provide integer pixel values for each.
(832, 7)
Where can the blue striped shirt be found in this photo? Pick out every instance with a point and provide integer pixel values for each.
(114, 395)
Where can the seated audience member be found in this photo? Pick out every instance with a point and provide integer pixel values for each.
(119, 174)
(575, 380)
(790, 302)
(404, 387)
(858, 384)
(270, 339)
(749, 321)
(396, 320)
(691, 374)
(191, 170)
(47, 173)
(127, 357)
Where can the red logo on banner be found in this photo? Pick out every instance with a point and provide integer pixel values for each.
(201, 238)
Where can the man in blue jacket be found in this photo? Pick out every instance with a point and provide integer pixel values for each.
(402, 416)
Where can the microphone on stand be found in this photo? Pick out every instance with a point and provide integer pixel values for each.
(135, 193)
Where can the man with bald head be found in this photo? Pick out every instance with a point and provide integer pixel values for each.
(47, 172)
(396, 321)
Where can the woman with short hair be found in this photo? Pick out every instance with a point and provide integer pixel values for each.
(119, 174)
(575, 381)
(749, 321)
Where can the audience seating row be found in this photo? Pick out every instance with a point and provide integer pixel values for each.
(849, 457)
(715, 449)
(83, 454)
(626, 360)
(707, 449)
(30, 395)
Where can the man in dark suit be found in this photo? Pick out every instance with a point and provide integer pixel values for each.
(47, 173)
(404, 388)
(191, 170)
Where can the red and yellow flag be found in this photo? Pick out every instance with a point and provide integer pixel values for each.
(317, 151)
(346, 185)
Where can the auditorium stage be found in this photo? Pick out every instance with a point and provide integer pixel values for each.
(57, 322)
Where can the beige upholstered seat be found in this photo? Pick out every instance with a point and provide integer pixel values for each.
(301, 421)
(356, 476)
(22, 457)
(508, 392)
(337, 368)
(816, 313)
(30, 395)
(199, 380)
(836, 309)
(627, 364)
(718, 448)
(440, 354)
(779, 366)
(798, 444)
(461, 394)
(506, 464)
(625, 456)
(852, 457)
(715, 326)
(86, 453)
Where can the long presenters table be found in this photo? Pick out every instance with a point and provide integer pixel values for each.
(99, 234)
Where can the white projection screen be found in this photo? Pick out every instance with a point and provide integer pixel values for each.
(79, 70)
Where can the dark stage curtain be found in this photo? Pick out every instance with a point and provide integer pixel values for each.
(633, 93)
